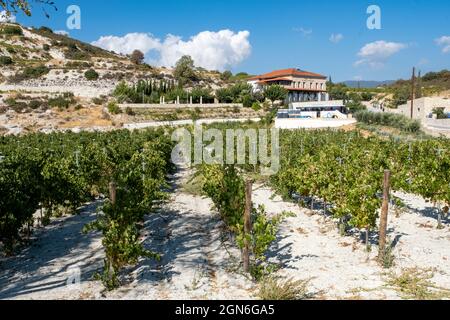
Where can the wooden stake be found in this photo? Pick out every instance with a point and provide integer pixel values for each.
(384, 213)
(413, 93)
(247, 225)
(112, 192)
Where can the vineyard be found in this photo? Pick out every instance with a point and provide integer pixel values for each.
(335, 175)
(345, 172)
(59, 172)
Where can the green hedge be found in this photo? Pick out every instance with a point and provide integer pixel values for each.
(389, 119)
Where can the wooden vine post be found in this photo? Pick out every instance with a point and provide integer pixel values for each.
(247, 225)
(113, 199)
(384, 214)
(112, 192)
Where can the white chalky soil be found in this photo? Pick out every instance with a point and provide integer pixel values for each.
(195, 262)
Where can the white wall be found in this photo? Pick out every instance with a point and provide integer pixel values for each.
(423, 107)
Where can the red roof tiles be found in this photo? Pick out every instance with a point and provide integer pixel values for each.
(287, 72)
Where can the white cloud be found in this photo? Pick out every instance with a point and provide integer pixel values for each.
(444, 41)
(375, 54)
(5, 18)
(303, 31)
(144, 42)
(336, 38)
(210, 50)
(61, 32)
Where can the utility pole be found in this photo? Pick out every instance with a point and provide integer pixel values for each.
(413, 93)
(419, 85)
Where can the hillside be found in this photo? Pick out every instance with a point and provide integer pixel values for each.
(50, 81)
(367, 84)
(32, 59)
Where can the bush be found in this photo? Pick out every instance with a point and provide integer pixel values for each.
(256, 106)
(99, 101)
(355, 106)
(91, 75)
(129, 111)
(45, 29)
(389, 119)
(46, 47)
(247, 101)
(34, 104)
(113, 108)
(273, 288)
(11, 30)
(35, 72)
(61, 102)
(4, 61)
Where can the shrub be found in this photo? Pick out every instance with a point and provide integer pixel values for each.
(91, 75)
(4, 61)
(98, 101)
(247, 101)
(34, 104)
(11, 30)
(129, 111)
(273, 288)
(114, 108)
(256, 106)
(45, 29)
(35, 72)
(355, 106)
(389, 119)
(46, 47)
(61, 102)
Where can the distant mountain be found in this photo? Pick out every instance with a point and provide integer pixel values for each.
(367, 84)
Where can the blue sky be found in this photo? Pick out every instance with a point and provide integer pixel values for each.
(282, 34)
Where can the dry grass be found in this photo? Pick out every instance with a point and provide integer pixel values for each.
(276, 288)
(416, 284)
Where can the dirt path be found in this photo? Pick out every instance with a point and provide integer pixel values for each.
(41, 270)
(197, 262)
(311, 247)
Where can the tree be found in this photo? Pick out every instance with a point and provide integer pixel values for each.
(275, 93)
(14, 6)
(440, 113)
(226, 75)
(137, 57)
(185, 70)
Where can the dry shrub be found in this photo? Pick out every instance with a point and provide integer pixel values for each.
(276, 288)
(416, 284)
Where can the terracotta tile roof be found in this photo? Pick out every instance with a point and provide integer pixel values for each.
(287, 72)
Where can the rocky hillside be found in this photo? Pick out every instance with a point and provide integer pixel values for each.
(50, 81)
(39, 60)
